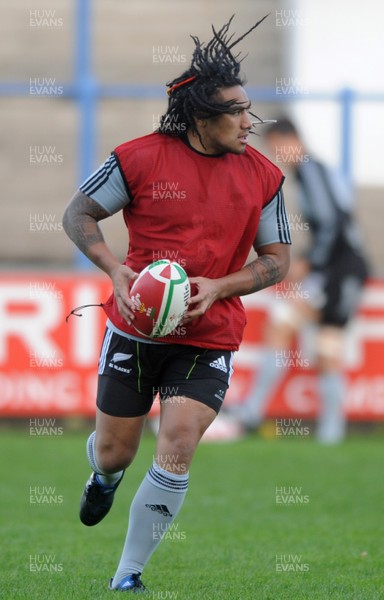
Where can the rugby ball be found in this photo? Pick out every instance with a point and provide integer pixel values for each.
(160, 295)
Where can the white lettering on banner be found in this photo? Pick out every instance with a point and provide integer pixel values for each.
(360, 331)
(33, 328)
(49, 391)
(85, 340)
(32, 312)
(364, 394)
(300, 393)
(367, 394)
(54, 365)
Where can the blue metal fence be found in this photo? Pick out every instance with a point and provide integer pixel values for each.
(86, 92)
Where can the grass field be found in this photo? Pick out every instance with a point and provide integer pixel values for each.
(263, 520)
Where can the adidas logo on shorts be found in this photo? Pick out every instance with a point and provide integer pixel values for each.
(219, 363)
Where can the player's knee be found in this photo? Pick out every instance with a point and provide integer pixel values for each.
(175, 449)
(112, 456)
(285, 314)
(329, 348)
(174, 460)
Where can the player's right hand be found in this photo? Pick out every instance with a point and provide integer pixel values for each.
(122, 279)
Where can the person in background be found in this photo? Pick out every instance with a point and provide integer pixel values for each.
(325, 280)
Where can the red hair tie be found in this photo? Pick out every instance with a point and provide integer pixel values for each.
(180, 83)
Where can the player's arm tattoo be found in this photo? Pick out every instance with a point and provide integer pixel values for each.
(265, 272)
(80, 221)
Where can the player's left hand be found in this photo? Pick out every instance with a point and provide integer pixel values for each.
(208, 291)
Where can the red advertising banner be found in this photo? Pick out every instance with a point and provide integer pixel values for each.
(48, 367)
(296, 396)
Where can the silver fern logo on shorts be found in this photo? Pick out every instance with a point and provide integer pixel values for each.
(117, 358)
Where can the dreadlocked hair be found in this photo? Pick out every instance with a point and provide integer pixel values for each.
(194, 93)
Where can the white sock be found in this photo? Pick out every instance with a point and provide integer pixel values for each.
(264, 383)
(107, 479)
(331, 424)
(153, 509)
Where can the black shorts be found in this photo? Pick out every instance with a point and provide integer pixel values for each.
(132, 373)
(342, 290)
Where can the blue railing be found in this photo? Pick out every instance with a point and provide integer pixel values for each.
(86, 92)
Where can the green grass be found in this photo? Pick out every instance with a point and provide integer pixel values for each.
(231, 529)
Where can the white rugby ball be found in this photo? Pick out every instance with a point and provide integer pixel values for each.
(160, 294)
